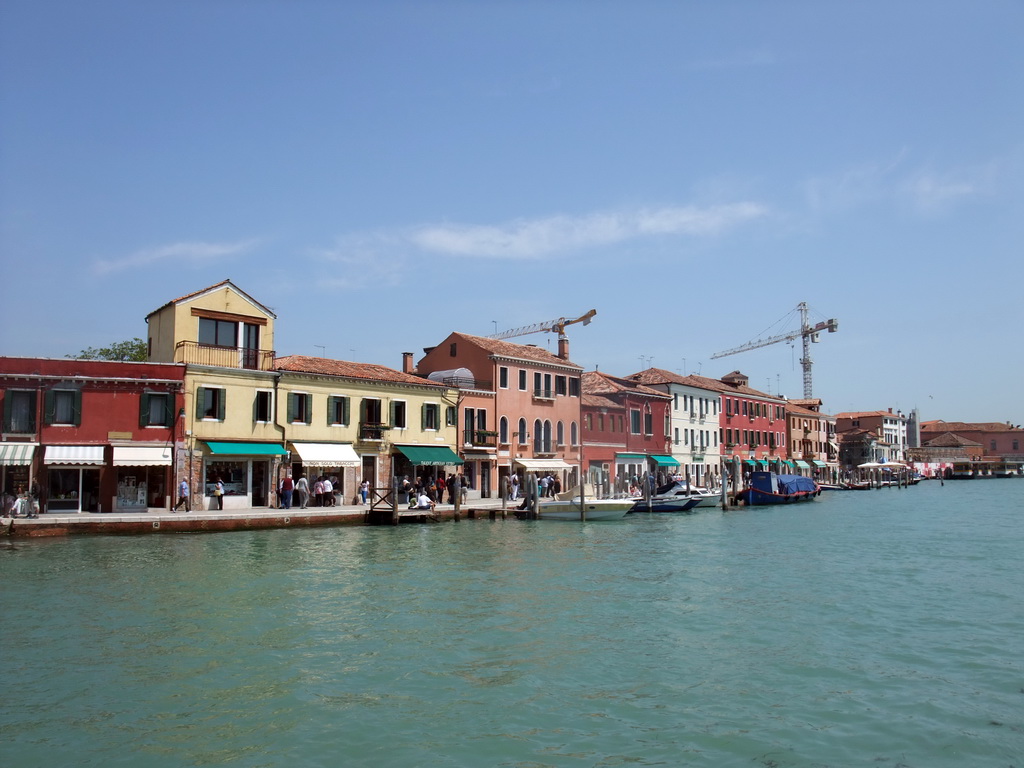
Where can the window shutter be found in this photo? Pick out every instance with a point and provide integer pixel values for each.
(169, 409)
(291, 407)
(309, 409)
(255, 407)
(344, 411)
(200, 399)
(48, 407)
(144, 409)
(222, 398)
(331, 408)
(393, 408)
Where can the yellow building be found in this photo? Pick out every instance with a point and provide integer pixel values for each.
(252, 418)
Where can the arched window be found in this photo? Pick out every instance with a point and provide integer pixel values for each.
(547, 437)
(574, 438)
(503, 431)
(560, 434)
(522, 432)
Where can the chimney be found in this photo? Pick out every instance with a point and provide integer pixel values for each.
(563, 348)
(407, 366)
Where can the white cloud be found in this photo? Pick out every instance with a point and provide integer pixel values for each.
(197, 252)
(534, 238)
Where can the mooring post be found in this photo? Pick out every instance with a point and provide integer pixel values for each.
(394, 501)
(504, 496)
(457, 497)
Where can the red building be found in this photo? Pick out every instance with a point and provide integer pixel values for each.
(91, 435)
(625, 431)
(753, 424)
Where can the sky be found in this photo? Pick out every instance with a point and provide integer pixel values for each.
(381, 174)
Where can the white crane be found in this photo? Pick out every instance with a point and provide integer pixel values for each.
(809, 333)
(551, 326)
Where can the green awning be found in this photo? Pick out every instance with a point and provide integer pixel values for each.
(430, 455)
(246, 449)
(664, 461)
(802, 464)
(788, 463)
(821, 464)
(630, 456)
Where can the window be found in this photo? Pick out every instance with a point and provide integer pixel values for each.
(155, 409)
(210, 403)
(398, 414)
(522, 435)
(63, 406)
(522, 381)
(588, 422)
(503, 377)
(537, 381)
(574, 434)
(560, 385)
(262, 406)
(677, 436)
(675, 402)
(574, 387)
(1016, 445)
(218, 333)
(992, 445)
(453, 349)
(648, 423)
(634, 421)
(300, 408)
(503, 431)
(600, 422)
(337, 410)
(560, 434)
(538, 435)
(370, 411)
(451, 416)
(431, 417)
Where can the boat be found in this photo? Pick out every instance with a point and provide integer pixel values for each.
(771, 488)
(677, 497)
(594, 509)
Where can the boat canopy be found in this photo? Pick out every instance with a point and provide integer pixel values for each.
(796, 484)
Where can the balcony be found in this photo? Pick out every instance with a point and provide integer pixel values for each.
(194, 353)
(543, 394)
(371, 430)
(480, 438)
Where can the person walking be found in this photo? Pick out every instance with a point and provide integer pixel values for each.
(318, 491)
(364, 490)
(218, 493)
(514, 485)
(328, 492)
(182, 495)
(287, 487)
(302, 488)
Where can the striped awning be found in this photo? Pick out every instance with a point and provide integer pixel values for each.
(17, 454)
(74, 454)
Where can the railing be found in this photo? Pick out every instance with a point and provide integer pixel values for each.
(543, 394)
(480, 437)
(224, 357)
(371, 430)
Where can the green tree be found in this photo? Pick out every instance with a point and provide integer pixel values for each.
(131, 350)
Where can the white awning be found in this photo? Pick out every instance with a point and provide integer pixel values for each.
(17, 454)
(142, 455)
(534, 465)
(73, 454)
(327, 454)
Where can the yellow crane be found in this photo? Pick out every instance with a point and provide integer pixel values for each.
(809, 333)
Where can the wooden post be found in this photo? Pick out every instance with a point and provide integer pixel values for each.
(725, 483)
(394, 501)
(504, 496)
(583, 496)
(457, 497)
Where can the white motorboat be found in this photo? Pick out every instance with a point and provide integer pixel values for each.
(593, 509)
(678, 497)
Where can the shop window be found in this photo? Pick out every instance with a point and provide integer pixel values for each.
(63, 406)
(337, 410)
(218, 333)
(210, 403)
(262, 407)
(234, 475)
(155, 409)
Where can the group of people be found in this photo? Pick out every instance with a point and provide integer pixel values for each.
(426, 492)
(21, 504)
(320, 491)
(549, 485)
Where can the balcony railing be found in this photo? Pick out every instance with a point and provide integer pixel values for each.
(224, 357)
(372, 430)
(481, 438)
(543, 394)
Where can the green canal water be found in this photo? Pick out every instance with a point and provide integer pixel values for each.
(881, 628)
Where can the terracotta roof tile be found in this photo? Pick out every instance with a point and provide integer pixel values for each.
(966, 426)
(598, 383)
(504, 348)
(368, 371)
(949, 440)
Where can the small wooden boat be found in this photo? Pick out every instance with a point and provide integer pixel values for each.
(770, 488)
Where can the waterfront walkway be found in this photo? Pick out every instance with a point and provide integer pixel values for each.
(200, 521)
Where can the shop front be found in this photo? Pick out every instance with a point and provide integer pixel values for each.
(246, 472)
(563, 470)
(73, 478)
(478, 469)
(16, 467)
(335, 461)
(143, 477)
(425, 462)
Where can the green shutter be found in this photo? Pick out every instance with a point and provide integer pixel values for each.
(331, 407)
(423, 416)
(309, 409)
(222, 400)
(169, 409)
(144, 409)
(291, 407)
(49, 406)
(345, 413)
(393, 408)
(200, 397)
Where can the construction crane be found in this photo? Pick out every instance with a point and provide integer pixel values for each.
(809, 333)
(551, 326)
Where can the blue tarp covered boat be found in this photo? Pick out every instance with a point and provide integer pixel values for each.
(771, 488)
